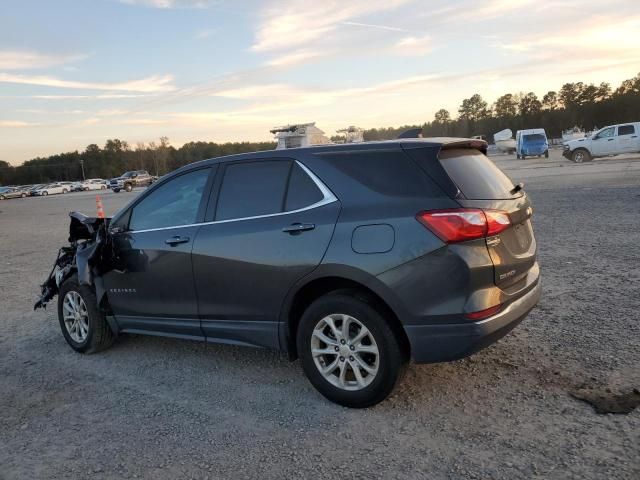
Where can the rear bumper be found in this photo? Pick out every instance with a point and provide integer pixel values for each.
(443, 343)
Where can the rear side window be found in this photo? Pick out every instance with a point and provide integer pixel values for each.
(302, 190)
(626, 130)
(252, 188)
(476, 176)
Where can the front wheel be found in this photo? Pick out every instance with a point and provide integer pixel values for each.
(2, 197)
(64, 190)
(580, 156)
(116, 190)
(84, 327)
(128, 187)
(23, 195)
(45, 193)
(103, 187)
(348, 351)
(546, 154)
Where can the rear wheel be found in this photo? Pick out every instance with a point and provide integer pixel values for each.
(84, 327)
(116, 190)
(64, 190)
(348, 351)
(45, 193)
(581, 155)
(103, 187)
(128, 187)
(23, 195)
(546, 154)
(2, 197)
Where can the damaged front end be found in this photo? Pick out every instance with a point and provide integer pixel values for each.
(88, 255)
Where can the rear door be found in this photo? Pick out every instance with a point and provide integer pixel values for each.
(627, 139)
(483, 185)
(270, 224)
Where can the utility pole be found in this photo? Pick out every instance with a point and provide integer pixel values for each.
(82, 167)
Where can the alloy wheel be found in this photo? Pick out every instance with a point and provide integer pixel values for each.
(345, 352)
(76, 316)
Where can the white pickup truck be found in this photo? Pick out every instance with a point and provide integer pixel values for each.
(611, 140)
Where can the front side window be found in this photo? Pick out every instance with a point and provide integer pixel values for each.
(172, 204)
(252, 189)
(606, 133)
(626, 130)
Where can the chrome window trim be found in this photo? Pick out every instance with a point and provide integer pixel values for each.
(328, 197)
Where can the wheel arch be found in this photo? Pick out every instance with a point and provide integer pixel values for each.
(313, 288)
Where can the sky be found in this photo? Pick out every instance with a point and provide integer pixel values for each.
(76, 72)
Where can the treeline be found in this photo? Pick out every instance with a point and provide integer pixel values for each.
(118, 156)
(576, 104)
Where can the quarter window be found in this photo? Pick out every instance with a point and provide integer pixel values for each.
(626, 130)
(253, 188)
(172, 204)
(302, 190)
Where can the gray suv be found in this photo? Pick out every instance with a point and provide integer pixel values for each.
(354, 258)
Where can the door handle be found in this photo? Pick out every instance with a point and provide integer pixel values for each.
(296, 228)
(634, 136)
(610, 140)
(173, 241)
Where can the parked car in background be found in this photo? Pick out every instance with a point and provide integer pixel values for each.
(129, 180)
(90, 184)
(51, 189)
(12, 192)
(32, 190)
(531, 143)
(610, 140)
(354, 257)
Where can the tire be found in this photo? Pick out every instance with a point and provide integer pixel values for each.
(2, 197)
(354, 392)
(45, 193)
(581, 155)
(128, 187)
(64, 190)
(103, 187)
(23, 195)
(116, 190)
(546, 154)
(97, 334)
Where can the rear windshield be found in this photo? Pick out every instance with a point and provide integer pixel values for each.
(535, 138)
(475, 175)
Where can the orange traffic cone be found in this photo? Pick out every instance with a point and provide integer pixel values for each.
(99, 207)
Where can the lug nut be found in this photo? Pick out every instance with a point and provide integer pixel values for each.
(343, 341)
(351, 347)
(337, 349)
(342, 359)
(351, 358)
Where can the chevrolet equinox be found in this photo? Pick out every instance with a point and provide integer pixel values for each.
(355, 258)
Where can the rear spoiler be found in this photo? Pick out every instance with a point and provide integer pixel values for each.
(481, 145)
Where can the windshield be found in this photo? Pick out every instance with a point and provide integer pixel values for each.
(128, 174)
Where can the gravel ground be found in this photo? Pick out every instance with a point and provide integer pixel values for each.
(159, 408)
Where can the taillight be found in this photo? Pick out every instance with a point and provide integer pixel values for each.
(462, 224)
(482, 314)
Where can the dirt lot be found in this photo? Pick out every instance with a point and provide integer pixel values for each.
(159, 408)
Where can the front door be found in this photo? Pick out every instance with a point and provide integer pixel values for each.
(152, 286)
(604, 143)
(272, 225)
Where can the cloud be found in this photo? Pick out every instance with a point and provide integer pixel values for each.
(371, 25)
(29, 59)
(297, 57)
(300, 22)
(413, 46)
(17, 124)
(155, 83)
